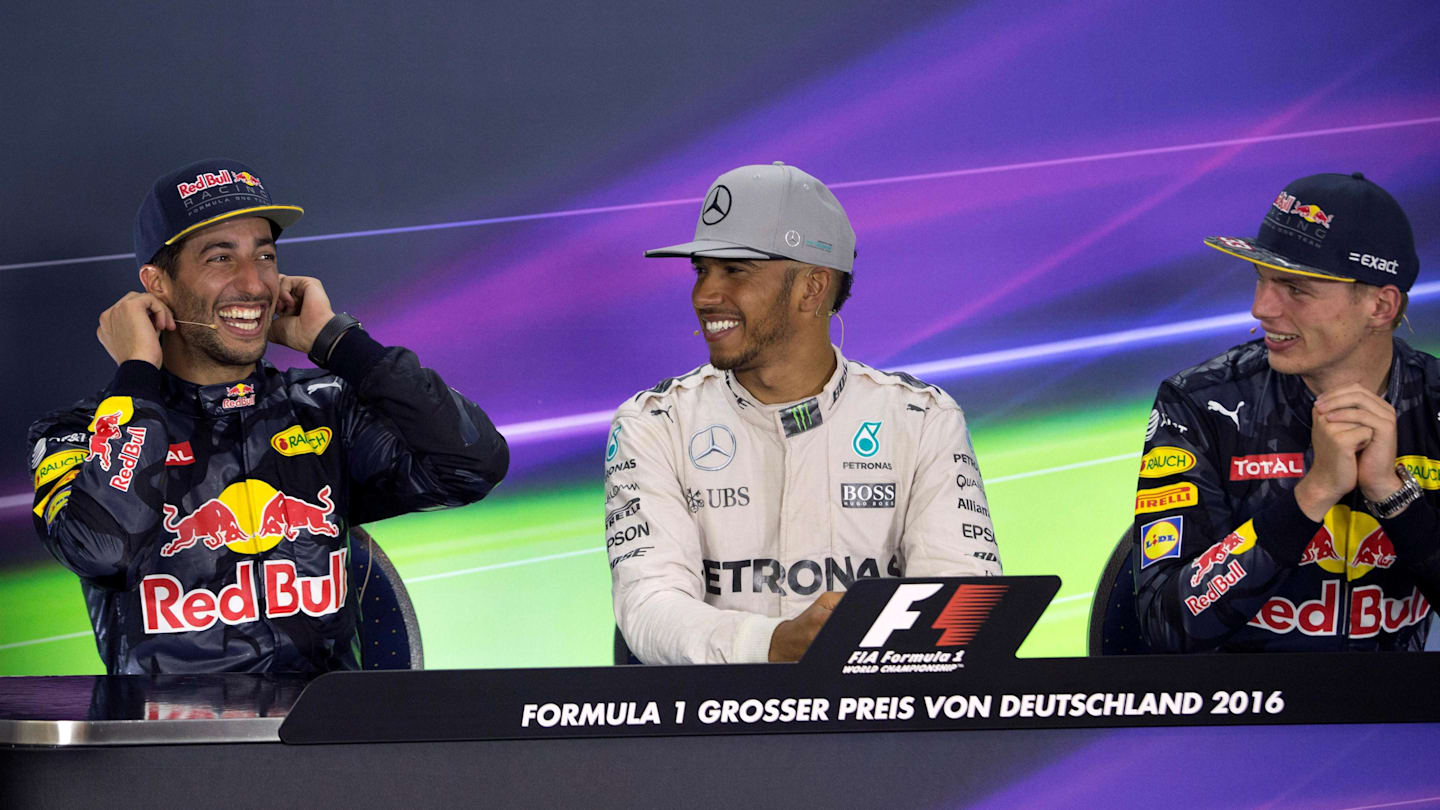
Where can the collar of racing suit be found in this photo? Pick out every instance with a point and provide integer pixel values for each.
(793, 418)
(219, 399)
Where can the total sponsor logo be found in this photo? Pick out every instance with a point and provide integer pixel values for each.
(248, 517)
(1161, 499)
(1160, 539)
(1371, 612)
(179, 455)
(1425, 470)
(168, 608)
(1288, 204)
(1349, 542)
(240, 395)
(224, 177)
(1267, 465)
(868, 495)
(295, 440)
(1163, 461)
(803, 576)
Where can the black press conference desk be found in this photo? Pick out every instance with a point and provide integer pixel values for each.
(933, 724)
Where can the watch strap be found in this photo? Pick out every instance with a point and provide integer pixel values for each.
(329, 335)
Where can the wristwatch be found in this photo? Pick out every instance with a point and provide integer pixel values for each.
(1408, 493)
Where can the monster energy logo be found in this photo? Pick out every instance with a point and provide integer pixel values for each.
(800, 418)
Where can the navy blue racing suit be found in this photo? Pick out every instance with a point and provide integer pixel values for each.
(1226, 560)
(209, 524)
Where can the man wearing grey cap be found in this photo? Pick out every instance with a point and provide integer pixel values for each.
(744, 496)
(1289, 487)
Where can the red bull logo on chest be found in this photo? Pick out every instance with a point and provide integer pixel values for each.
(248, 517)
(168, 608)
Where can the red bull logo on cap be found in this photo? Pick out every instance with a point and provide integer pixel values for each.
(224, 177)
(248, 517)
(1287, 204)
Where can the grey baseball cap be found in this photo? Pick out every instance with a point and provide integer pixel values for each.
(770, 212)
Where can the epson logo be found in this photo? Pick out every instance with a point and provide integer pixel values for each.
(868, 496)
(1390, 266)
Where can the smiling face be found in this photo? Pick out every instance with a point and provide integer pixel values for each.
(226, 275)
(745, 310)
(1321, 330)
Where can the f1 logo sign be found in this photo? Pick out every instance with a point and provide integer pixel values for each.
(961, 618)
(897, 614)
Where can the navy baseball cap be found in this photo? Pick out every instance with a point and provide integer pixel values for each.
(200, 194)
(1340, 227)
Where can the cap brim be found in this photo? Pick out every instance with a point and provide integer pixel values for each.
(1246, 249)
(282, 215)
(709, 248)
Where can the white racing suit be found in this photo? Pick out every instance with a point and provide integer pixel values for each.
(725, 516)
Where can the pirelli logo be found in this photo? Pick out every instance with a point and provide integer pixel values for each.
(1161, 499)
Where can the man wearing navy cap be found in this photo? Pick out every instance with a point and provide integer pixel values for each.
(745, 496)
(1289, 487)
(204, 497)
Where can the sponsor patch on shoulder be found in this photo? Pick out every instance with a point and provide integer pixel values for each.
(1160, 539)
(1162, 461)
(1161, 499)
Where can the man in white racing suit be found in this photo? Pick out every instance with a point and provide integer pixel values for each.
(743, 497)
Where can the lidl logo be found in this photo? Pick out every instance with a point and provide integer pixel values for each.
(1160, 539)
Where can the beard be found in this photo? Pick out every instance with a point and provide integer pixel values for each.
(202, 340)
(773, 328)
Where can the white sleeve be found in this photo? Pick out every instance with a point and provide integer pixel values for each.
(948, 531)
(655, 559)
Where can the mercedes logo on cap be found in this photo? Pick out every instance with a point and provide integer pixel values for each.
(717, 206)
(712, 448)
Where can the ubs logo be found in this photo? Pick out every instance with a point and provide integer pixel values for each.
(717, 206)
(712, 448)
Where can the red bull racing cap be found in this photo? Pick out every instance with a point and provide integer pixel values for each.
(200, 194)
(1341, 227)
(770, 212)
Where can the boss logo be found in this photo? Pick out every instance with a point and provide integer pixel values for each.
(868, 496)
